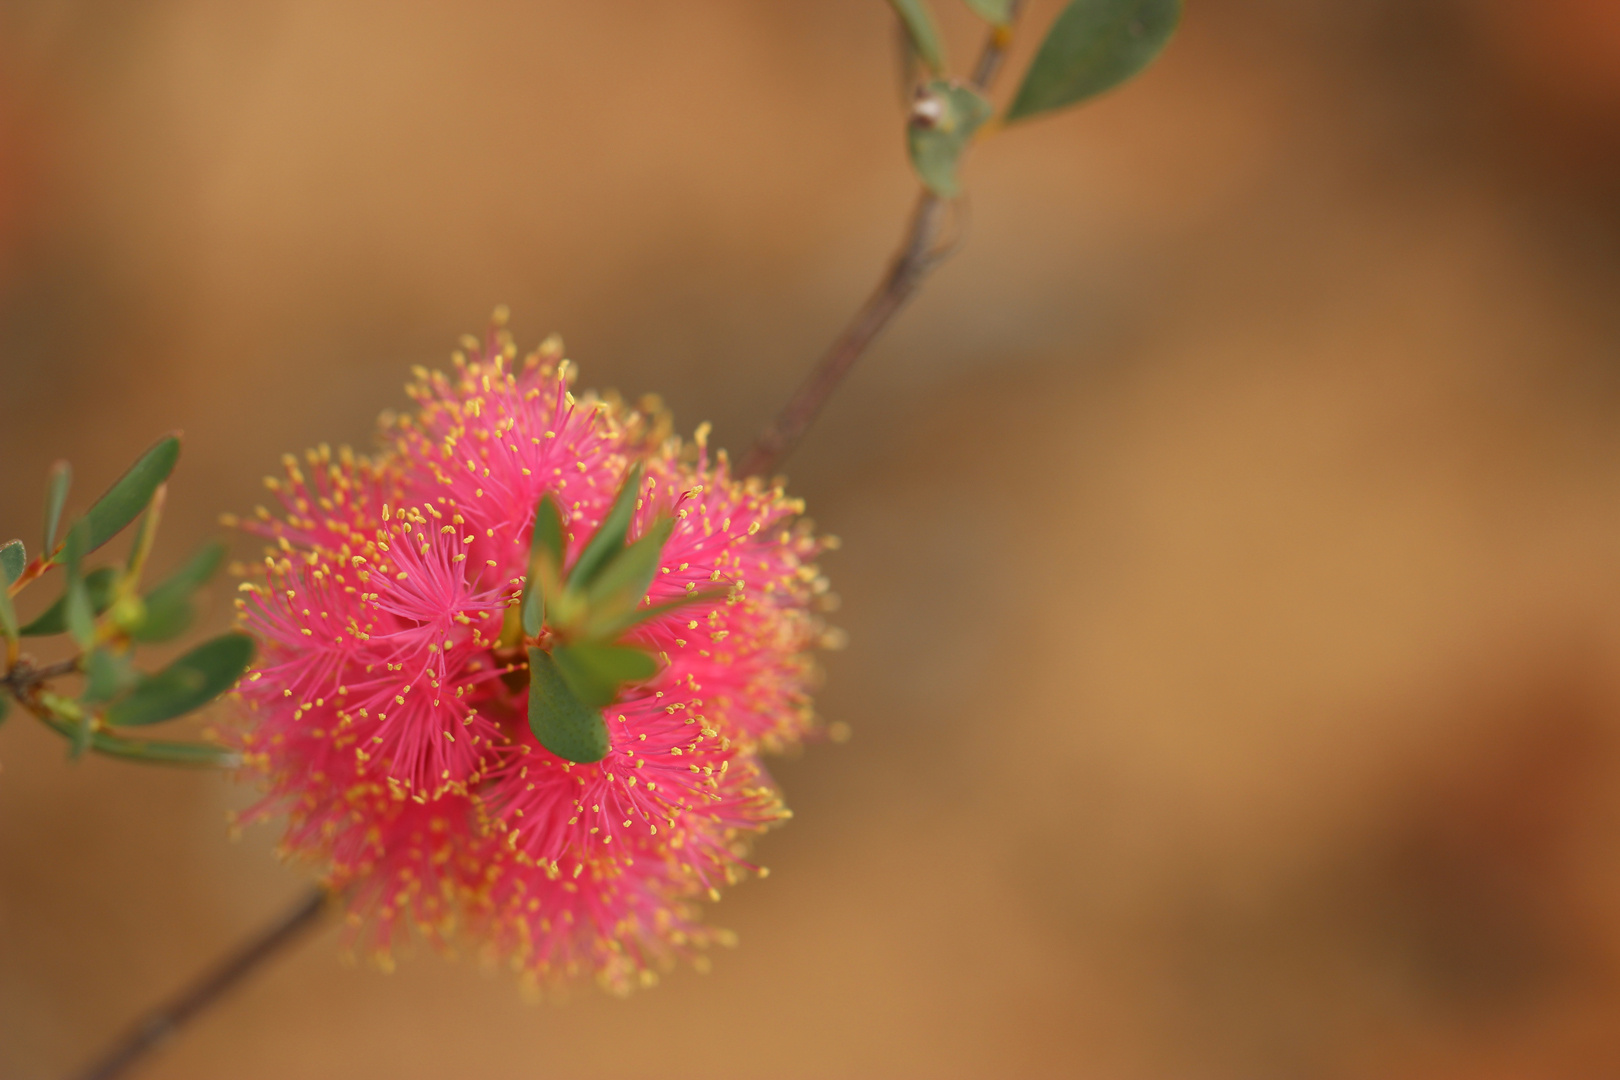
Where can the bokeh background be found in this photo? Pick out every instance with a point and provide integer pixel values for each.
(1232, 528)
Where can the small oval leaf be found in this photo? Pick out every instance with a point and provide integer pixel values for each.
(924, 34)
(564, 725)
(1094, 45)
(13, 558)
(943, 121)
(189, 683)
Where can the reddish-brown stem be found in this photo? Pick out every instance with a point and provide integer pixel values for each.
(917, 258)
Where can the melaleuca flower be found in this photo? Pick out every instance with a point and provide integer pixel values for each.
(517, 670)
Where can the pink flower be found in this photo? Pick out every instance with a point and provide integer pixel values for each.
(389, 718)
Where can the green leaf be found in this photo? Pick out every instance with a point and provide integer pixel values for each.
(100, 584)
(919, 24)
(168, 607)
(564, 725)
(56, 493)
(613, 628)
(596, 672)
(1094, 45)
(107, 675)
(189, 683)
(998, 12)
(8, 616)
(77, 613)
(5, 707)
(609, 539)
(623, 582)
(13, 557)
(943, 121)
(546, 552)
(124, 501)
(548, 530)
(157, 752)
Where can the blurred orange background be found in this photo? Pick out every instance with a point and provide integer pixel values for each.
(1231, 530)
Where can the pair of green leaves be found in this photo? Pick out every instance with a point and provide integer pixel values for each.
(585, 668)
(1093, 46)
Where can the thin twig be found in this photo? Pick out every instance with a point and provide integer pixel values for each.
(917, 258)
(167, 1019)
(995, 49)
(23, 676)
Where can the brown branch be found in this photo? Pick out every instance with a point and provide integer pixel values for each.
(23, 676)
(157, 1026)
(917, 258)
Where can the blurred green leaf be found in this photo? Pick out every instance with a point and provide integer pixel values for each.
(77, 612)
(596, 672)
(613, 628)
(943, 121)
(124, 501)
(168, 607)
(563, 723)
(107, 675)
(609, 539)
(548, 530)
(13, 557)
(56, 493)
(190, 682)
(533, 609)
(623, 582)
(924, 34)
(5, 706)
(994, 11)
(546, 553)
(8, 616)
(1094, 46)
(157, 752)
(100, 584)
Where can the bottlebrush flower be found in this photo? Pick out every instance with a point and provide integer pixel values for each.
(422, 643)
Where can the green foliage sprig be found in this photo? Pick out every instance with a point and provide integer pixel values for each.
(1093, 46)
(107, 616)
(570, 626)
